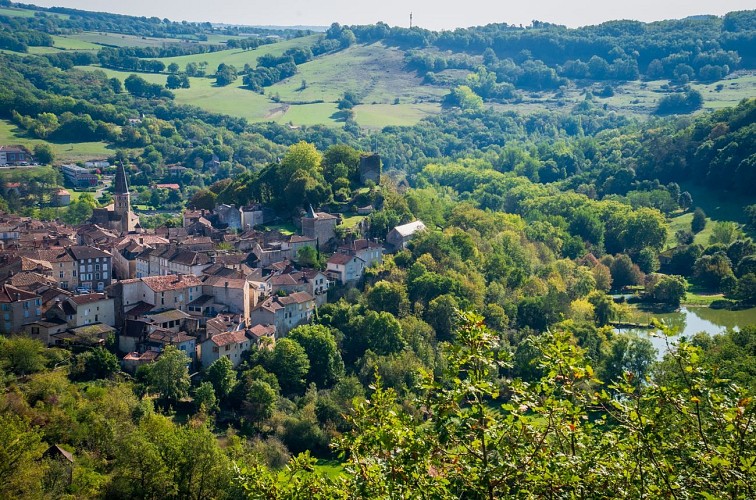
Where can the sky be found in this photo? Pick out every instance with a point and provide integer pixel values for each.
(431, 14)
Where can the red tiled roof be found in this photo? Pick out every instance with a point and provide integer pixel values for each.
(263, 330)
(9, 293)
(88, 298)
(222, 339)
(172, 282)
(222, 282)
(341, 259)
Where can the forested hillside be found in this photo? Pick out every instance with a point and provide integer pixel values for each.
(506, 350)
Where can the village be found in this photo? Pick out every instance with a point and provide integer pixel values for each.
(214, 287)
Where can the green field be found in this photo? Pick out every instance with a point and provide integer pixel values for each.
(718, 207)
(13, 12)
(232, 100)
(639, 98)
(5, 11)
(374, 73)
(682, 222)
(64, 152)
(238, 57)
(71, 42)
(377, 116)
(331, 468)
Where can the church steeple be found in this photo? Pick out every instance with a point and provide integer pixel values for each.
(122, 201)
(120, 185)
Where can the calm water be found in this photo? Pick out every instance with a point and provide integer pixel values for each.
(692, 320)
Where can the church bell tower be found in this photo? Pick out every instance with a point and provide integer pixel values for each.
(122, 200)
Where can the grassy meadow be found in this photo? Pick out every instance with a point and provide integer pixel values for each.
(239, 57)
(64, 151)
(15, 12)
(374, 73)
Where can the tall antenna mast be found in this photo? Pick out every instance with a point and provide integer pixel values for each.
(410, 20)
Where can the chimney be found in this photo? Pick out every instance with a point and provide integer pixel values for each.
(226, 285)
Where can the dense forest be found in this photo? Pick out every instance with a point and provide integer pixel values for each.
(481, 361)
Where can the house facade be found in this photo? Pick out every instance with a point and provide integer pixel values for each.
(285, 313)
(94, 269)
(230, 345)
(345, 268)
(17, 307)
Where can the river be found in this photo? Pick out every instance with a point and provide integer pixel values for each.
(691, 320)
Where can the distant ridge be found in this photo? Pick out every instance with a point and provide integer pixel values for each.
(318, 29)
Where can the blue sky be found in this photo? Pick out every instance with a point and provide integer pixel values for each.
(432, 14)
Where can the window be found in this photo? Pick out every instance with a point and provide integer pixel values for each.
(61, 274)
(228, 347)
(97, 267)
(105, 275)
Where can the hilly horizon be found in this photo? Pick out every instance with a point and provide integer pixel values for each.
(373, 261)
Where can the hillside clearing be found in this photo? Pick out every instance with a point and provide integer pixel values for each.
(239, 57)
(64, 152)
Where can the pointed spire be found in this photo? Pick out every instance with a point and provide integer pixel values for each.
(312, 213)
(120, 186)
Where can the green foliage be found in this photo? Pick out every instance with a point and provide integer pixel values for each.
(680, 103)
(169, 375)
(290, 364)
(203, 199)
(326, 365)
(43, 153)
(699, 221)
(204, 398)
(464, 97)
(388, 296)
(20, 447)
(21, 355)
(724, 232)
(667, 289)
(225, 75)
(96, 364)
(222, 377)
(308, 256)
(259, 402)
